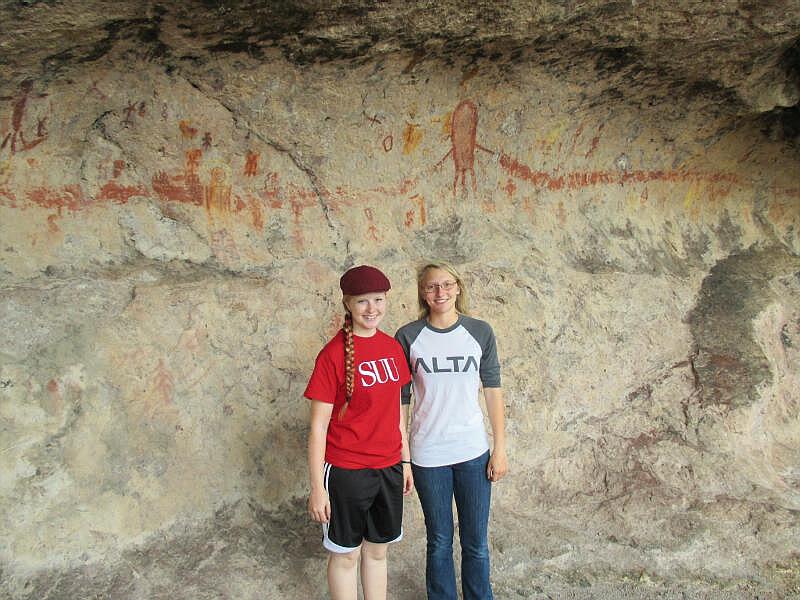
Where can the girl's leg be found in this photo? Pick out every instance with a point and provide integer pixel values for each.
(343, 575)
(473, 491)
(373, 570)
(435, 489)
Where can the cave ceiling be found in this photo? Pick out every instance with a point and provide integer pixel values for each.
(744, 55)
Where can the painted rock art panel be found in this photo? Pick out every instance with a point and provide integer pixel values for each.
(172, 240)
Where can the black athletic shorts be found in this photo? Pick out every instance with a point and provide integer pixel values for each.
(366, 504)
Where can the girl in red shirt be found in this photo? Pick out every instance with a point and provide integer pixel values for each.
(358, 456)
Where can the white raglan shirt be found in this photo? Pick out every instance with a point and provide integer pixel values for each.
(448, 367)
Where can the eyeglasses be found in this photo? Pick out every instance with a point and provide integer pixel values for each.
(445, 285)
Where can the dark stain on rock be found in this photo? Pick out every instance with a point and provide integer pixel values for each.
(786, 339)
(790, 61)
(236, 46)
(517, 54)
(696, 245)
(594, 259)
(149, 34)
(624, 233)
(708, 88)
(446, 241)
(241, 28)
(55, 62)
(145, 32)
(632, 253)
(101, 48)
(782, 125)
(641, 394)
(730, 363)
(613, 60)
(313, 49)
(728, 233)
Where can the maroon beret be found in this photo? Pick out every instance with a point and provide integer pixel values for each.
(363, 280)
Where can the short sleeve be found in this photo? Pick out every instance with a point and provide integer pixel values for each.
(490, 362)
(324, 382)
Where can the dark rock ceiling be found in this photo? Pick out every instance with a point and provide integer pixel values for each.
(745, 54)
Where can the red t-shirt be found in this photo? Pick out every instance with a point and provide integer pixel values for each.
(368, 436)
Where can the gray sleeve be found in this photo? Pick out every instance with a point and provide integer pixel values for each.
(405, 394)
(406, 336)
(490, 362)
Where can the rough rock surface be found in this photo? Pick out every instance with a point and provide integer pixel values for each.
(181, 185)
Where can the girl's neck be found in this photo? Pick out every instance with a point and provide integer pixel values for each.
(363, 333)
(443, 321)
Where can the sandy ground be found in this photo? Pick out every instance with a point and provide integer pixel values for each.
(253, 555)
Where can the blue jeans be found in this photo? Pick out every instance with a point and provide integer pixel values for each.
(436, 487)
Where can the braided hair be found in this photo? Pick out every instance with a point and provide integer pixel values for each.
(349, 363)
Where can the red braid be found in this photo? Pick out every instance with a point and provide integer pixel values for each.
(349, 363)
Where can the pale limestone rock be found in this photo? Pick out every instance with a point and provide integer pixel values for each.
(180, 189)
(158, 237)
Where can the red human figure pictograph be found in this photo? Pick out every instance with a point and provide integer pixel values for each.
(17, 117)
(163, 382)
(130, 110)
(251, 163)
(193, 157)
(463, 129)
(97, 91)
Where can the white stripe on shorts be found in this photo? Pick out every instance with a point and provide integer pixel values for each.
(326, 541)
(326, 473)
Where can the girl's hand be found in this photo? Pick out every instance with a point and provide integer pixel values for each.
(319, 506)
(408, 479)
(498, 465)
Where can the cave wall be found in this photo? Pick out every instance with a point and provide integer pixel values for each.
(172, 239)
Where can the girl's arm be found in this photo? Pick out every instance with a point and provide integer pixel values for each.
(319, 506)
(405, 453)
(498, 462)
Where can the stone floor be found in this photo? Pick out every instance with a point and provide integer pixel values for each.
(246, 553)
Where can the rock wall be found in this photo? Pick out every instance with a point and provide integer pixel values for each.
(172, 236)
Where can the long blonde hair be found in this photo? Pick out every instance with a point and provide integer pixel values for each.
(462, 300)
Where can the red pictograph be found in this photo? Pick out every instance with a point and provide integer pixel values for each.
(463, 130)
(15, 139)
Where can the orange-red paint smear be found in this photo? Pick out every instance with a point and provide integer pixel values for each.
(581, 179)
